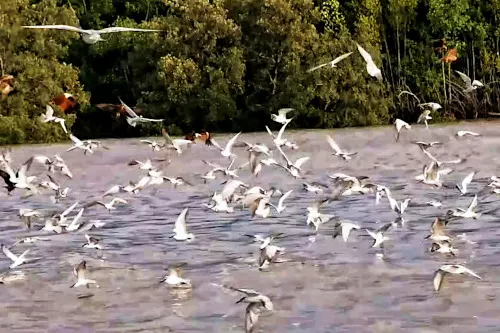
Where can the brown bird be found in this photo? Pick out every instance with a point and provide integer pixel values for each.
(451, 56)
(6, 84)
(118, 108)
(65, 101)
(190, 137)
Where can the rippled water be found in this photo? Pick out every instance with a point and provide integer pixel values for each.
(327, 286)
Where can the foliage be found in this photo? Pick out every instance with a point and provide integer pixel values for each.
(226, 65)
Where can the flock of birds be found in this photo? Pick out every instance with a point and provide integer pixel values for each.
(234, 192)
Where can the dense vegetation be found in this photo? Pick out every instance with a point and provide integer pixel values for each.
(225, 65)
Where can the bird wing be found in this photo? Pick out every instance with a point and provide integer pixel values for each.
(253, 160)
(437, 281)
(473, 204)
(231, 142)
(9, 254)
(128, 109)
(384, 228)
(340, 58)
(180, 223)
(180, 142)
(24, 168)
(298, 163)
(41, 159)
(63, 125)
(465, 78)
(49, 113)
(281, 131)
(467, 180)
(75, 140)
(318, 67)
(122, 29)
(283, 154)
(58, 27)
(215, 144)
(93, 203)
(67, 211)
(147, 141)
(282, 112)
(80, 270)
(283, 197)
(366, 56)
(118, 200)
(333, 144)
(271, 133)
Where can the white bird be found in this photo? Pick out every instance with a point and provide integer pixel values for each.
(61, 165)
(464, 133)
(180, 229)
(315, 217)
(293, 168)
(230, 187)
(400, 209)
(434, 203)
(16, 261)
(27, 215)
(337, 151)
(174, 278)
(452, 269)
(227, 151)
(89, 36)
(470, 212)
(344, 228)
(438, 233)
(443, 247)
(268, 253)
(424, 116)
(281, 116)
(92, 243)
(80, 271)
(465, 183)
(432, 105)
(400, 124)
(280, 206)
(133, 119)
(314, 187)
(371, 68)
(49, 116)
(332, 63)
(109, 205)
(220, 205)
(77, 143)
(378, 237)
(51, 225)
(175, 144)
(469, 85)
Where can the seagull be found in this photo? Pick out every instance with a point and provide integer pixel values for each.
(344, 228)
(133, 119)
(432, 105)
(293, 168)
(278, 139)
(49, 116)
(81, 280)
(452, 269)
(75, 224)
(331, 63)
(256, 301)
(19, 179)
(434, 203)
(180, 231)
(177, 181)
(315, 217)
(424, 116)
(426, 145)
(220, 205)
(469, 85)
(400, 209)
(155, 146)
(51, 225)
(146, 165)
(175, 143)
(469, 213)
(61, 218)
(268, 253)
(443, 247)
(281, 116)
(378, 237)
(16, 261)
(259, 148)
(61, 165)
(261, 206)
(226, 152)
(230, 187)
(77, 143)
(465, 183)
(92, 243)
(174, 278)
(280, 206)
(399, 124)
(89, 36)
(437, 231)
(109, 206)
(464, 133)
(371, 68)
(314, 187)
(337, 151)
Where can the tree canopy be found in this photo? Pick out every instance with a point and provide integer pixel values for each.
(226, 65)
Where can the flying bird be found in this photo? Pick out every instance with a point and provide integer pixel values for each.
(469, 85)
(133, 119)
(281, 116)
(451, 269)
(337, 151)
(48, 116)
(424, 116)
(371, 68)
(399, 125)
(331, 63)
(89, 36)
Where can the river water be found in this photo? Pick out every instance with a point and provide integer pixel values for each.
(325, 286)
